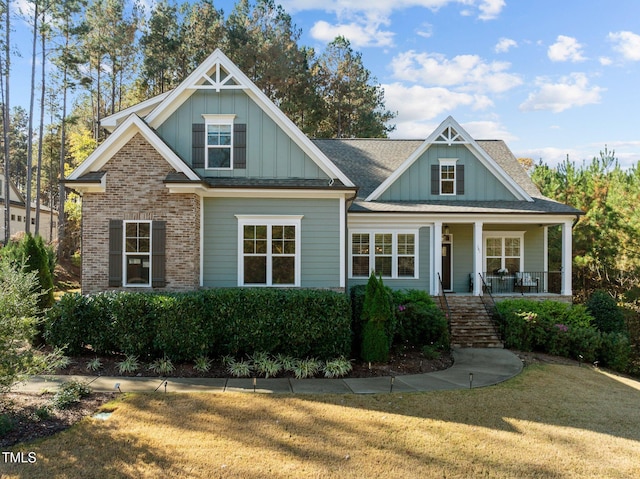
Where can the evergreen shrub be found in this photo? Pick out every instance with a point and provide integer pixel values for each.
(236, 321)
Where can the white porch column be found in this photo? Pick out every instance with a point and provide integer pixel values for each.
(566, 258)
(437, 258)
(477, 257)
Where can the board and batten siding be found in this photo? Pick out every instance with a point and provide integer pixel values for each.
(415, 183)
(423, 282)
(270, 152)
(320, 238)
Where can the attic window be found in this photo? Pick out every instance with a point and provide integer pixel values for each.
(448, 177)
(219, 142)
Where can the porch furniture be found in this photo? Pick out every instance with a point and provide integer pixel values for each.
(525, 280)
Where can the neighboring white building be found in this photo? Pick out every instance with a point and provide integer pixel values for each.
(48, 217)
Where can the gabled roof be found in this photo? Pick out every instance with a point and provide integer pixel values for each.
(218, 73)
(141, 109)
(449, 132)
(127, 130)
(369, 162)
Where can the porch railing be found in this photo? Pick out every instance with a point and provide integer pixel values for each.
(444, 304)
(523, 282)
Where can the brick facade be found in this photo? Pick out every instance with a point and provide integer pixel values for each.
(135, 190)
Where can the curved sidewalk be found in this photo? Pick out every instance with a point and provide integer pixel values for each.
(471, 368)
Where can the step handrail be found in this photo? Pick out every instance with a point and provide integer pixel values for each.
(491, 309)
(443, 297)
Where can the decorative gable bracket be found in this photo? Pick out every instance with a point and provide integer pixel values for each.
(450, 136)
(222, 80)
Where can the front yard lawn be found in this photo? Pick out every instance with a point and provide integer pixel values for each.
(552, 421)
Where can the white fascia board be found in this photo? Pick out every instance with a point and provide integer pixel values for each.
(141, 109)
(478, 152)
(127, 130)
(180, 94)
(212, 192)
(394, 219)
(90, 187)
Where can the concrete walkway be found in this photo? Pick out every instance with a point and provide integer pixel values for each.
(471, 368)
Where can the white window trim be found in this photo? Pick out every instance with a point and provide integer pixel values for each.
(447, 162)
(269, 221)
(394, 249)
(125, 255)
(502, 235)
(217, 120)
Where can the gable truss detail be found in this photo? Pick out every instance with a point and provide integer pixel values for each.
(220, 80)
(450, 136)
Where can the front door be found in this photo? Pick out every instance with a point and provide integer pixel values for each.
(446, 266)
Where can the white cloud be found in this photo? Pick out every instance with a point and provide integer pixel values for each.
(505, 44)
(360, 35)
(485, 9)
(490, 9)
(418, 105)
(488, 130)
(605, 61)
(426, 31)
(466, 72)
(566, 49)
(626, 43)
(569, 92)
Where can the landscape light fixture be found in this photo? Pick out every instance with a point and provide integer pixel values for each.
(391, 386)
(470, 380)
(117, 386)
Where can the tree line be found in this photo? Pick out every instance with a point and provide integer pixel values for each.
(92, 58)
(605, 238)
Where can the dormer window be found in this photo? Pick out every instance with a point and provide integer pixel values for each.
(219, 142)
(448, 176)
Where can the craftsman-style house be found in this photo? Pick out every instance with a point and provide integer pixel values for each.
(211, 185)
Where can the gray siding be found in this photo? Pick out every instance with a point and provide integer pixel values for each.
(415, 183)
(320, 238)
(270, 152)
(423, 282)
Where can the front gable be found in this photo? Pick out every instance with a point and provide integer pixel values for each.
(449, 165)
(273, 146)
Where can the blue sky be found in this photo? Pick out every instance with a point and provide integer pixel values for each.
(551, 78)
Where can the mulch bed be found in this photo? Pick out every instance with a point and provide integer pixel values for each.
(28, 421)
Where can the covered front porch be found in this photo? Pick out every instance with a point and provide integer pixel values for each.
(502, 257)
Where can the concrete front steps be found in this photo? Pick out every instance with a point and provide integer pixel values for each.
(471, 325)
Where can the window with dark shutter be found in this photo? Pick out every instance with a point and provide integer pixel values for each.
(197, 145)
(435, 179)
(240, 146)
(460, 179)
(115, 253)
(158, 255)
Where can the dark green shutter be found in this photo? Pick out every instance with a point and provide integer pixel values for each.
(197, 145)
(460, 180)
(435, 179)
(115, 253)
(240, 146)
(158, 255)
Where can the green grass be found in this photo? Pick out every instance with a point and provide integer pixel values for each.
(552, 421)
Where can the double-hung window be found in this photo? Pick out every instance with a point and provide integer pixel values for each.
(447, 177)
(219, 141)
(504, 252)
(390, 254)
(269, 250)
(137, 253)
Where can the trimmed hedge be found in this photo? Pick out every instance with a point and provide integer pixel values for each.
(561, 329)
(299, 323)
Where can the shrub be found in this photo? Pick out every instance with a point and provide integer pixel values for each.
(608, 317)
(70, 393)
(18, 326)
(233, 321)
(375, 344)
(420, 321)
(615, 351)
